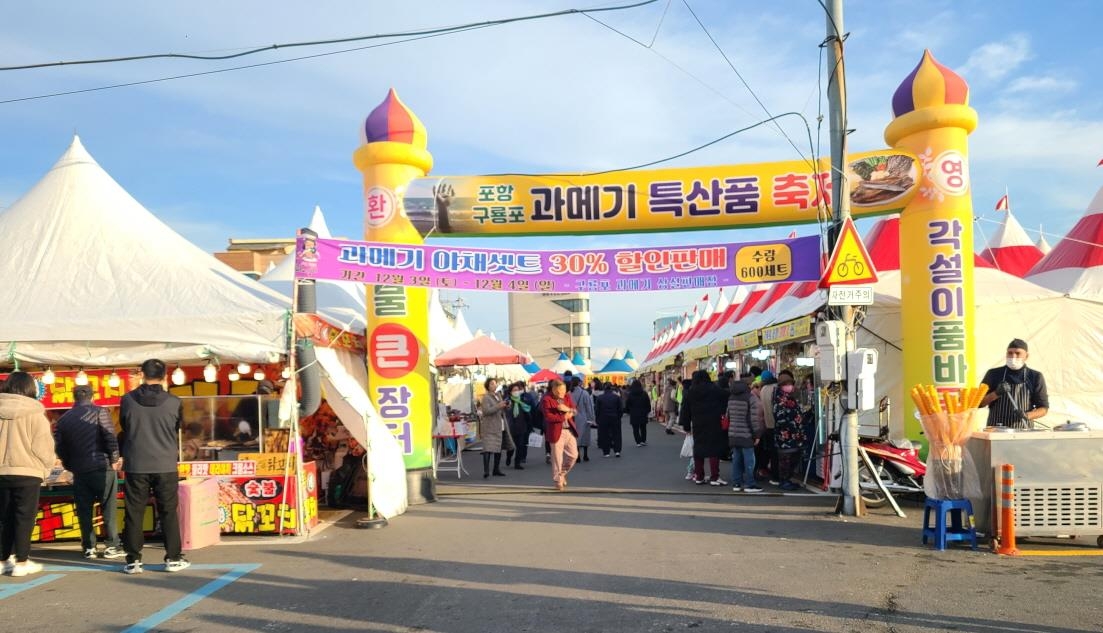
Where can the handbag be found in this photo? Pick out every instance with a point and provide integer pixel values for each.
(687, 447)
(536, 440)
(724, 422)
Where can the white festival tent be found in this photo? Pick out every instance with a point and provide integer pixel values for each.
(341, 303)
(1042, 244)
(108, 284)
(94, 279)
(1062, 331)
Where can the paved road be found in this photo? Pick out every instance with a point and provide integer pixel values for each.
(510, 555)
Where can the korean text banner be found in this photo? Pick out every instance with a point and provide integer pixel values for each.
(681, 199)
(607, 270)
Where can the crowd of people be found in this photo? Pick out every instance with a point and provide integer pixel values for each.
(85, 443)
(567, 415)
(756, 420)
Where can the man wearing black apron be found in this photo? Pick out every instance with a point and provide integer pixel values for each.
(1017, 395)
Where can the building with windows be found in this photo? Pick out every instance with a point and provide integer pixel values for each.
(254, 256)
(545, 324)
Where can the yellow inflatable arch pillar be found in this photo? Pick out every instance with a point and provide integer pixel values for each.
(394, 152)
(933, 120)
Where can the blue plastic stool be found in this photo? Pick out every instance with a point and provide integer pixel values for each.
(958, 509)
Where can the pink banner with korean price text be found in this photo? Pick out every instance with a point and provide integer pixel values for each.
(640, 269)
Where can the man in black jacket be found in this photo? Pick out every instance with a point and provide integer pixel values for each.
(150, 417)
(84, 439)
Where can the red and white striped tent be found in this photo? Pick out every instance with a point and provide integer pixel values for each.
(1010, 248)
(1075, 266)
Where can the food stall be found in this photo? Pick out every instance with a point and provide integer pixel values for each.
(228, 433)
(1058, 479)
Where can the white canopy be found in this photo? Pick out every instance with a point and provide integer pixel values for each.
(93, 278)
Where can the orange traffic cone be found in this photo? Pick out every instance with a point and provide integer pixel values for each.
(1007, 511)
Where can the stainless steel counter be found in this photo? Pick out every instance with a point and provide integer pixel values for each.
(1058, 480)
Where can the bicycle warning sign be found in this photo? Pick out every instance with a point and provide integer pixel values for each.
(850, 262)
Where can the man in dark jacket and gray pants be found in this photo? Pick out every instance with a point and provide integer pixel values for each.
(150, 417)
(84, 439)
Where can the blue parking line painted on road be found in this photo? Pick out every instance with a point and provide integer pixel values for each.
(7, 591)
(174, 609)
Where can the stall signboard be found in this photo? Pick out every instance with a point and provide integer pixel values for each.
(239, 468)
(263, 504)
(797, 328)
(59, 395)
(746, 340)
(270, 464)
(327, 335)
(631, 269)
(695, 198)
(698, 353)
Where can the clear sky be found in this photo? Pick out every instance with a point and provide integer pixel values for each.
(248, 153)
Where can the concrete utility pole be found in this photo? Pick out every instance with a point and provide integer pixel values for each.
(836, 95)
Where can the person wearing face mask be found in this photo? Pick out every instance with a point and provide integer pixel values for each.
(788, 429)
(519, 418)
(1017, 394)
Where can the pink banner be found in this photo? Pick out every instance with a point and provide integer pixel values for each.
(608, 270)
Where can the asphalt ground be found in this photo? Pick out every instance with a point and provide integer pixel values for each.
(630, 546)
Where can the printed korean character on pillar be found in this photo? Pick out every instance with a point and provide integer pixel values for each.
(394, 408)
(946, 270)
(943, 233)
(948, 336)
(948, 368)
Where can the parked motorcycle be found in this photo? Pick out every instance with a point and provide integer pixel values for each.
(895, 462)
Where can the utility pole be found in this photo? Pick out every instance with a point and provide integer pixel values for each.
(836, 95)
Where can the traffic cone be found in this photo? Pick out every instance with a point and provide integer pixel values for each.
(1007, 511)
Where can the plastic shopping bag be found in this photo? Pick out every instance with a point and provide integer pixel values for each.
(536, 440)
(687, 447)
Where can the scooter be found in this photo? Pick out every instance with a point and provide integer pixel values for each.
(895, 462)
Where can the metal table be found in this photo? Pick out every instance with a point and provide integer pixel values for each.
(1058, 480)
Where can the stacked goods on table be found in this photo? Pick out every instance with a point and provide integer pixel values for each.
(947, 419)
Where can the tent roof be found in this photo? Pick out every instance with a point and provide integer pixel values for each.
(93, 278)
(563, 364)
(340, 302)
(1043, 244)
(482, 350)
(630, 360)
(1010, 248)
(1075, 265)
(544, 375)
(615, 366)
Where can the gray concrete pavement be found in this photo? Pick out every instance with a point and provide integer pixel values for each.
(631, 546)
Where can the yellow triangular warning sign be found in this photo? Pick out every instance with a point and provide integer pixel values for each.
(850, 263)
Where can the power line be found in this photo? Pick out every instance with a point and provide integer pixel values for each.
(230, 69)
(344, 40)
(739, 75)
(442, 32)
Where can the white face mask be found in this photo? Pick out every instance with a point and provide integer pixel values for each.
(1014, 363)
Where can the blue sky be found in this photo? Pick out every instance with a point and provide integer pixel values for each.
(249, 153)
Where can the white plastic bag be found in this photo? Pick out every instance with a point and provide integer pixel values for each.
(536, 440)
(687, 446)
